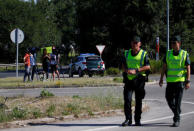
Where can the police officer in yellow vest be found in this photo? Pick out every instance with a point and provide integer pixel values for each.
(134, 65)
(176, 67)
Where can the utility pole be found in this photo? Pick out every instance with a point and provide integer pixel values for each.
(167, 14)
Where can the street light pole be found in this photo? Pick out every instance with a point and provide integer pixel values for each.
(16, 41)
(167, 14)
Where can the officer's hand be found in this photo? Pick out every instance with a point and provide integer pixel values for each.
(131, 72)
(187, 86)
(160, 82)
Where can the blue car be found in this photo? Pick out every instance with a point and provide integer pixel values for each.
(87, 63)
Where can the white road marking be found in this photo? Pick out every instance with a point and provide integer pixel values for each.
(147, 121)
(187, 102)
(184, 102)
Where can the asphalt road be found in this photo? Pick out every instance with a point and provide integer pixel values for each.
(157, 118)
(10, 74)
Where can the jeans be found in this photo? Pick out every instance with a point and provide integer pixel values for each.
(27, 73)
(34, 71)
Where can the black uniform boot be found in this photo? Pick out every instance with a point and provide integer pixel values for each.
(127, 123)
(176, 124)
(138, 123)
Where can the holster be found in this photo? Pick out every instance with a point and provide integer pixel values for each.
(147, 74)
(125, 79)
(139, 79)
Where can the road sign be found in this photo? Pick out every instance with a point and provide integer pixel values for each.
(17, 36)
(100, 48)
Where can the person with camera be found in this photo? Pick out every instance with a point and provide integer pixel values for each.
(176, 67)
(134, 64)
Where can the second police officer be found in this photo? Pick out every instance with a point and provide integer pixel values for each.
(134, 65)
(176, 67)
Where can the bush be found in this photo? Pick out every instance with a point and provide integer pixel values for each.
(118, 79)
(112, 71)
(45, 93)
(73, 108)
(36, 113)
(19, 113)
(156, 66)
(51, 110)
(4, 117)
(191, 58)
(76, 97)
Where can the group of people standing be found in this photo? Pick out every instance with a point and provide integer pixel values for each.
(49, 61)
(176, 68)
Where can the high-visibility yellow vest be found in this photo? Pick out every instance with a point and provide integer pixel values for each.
(48, 49)
(135, 62)
(176, 70)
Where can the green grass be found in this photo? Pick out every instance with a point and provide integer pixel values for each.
(13, 82)
(44, 93)
(51, 109)
(113, 71)
(19, 113)
(36, 113)
(118, 79)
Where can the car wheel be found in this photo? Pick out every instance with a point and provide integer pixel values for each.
(80, 73)
(70, 73)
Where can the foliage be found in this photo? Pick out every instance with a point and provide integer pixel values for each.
(51, 110)
(76, 97)
(72, 108)
(86, 23)
(112, 71)
(59, 106)
(118, 79)
(46, 93)
(191, 58)
(4, 116)
(156, 66)
(36, 113)
(19, 113)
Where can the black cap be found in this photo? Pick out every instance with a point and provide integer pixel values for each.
(176, 38)
(136, 39)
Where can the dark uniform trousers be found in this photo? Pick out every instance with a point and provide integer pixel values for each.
(174, 93)
(130, 87)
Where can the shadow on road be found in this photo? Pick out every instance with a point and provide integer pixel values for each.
(68, 125)
(156, 124)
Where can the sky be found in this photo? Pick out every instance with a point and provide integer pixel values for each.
(28, 0)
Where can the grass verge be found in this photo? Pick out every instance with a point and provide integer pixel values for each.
(22, 108)
(13, 82)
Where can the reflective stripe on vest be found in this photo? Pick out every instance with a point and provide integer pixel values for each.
(134, 62)
(176, 66)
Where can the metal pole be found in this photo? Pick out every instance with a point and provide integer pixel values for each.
(167, 3)
(16, 41)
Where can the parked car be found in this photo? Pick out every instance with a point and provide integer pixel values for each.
(87, 63)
